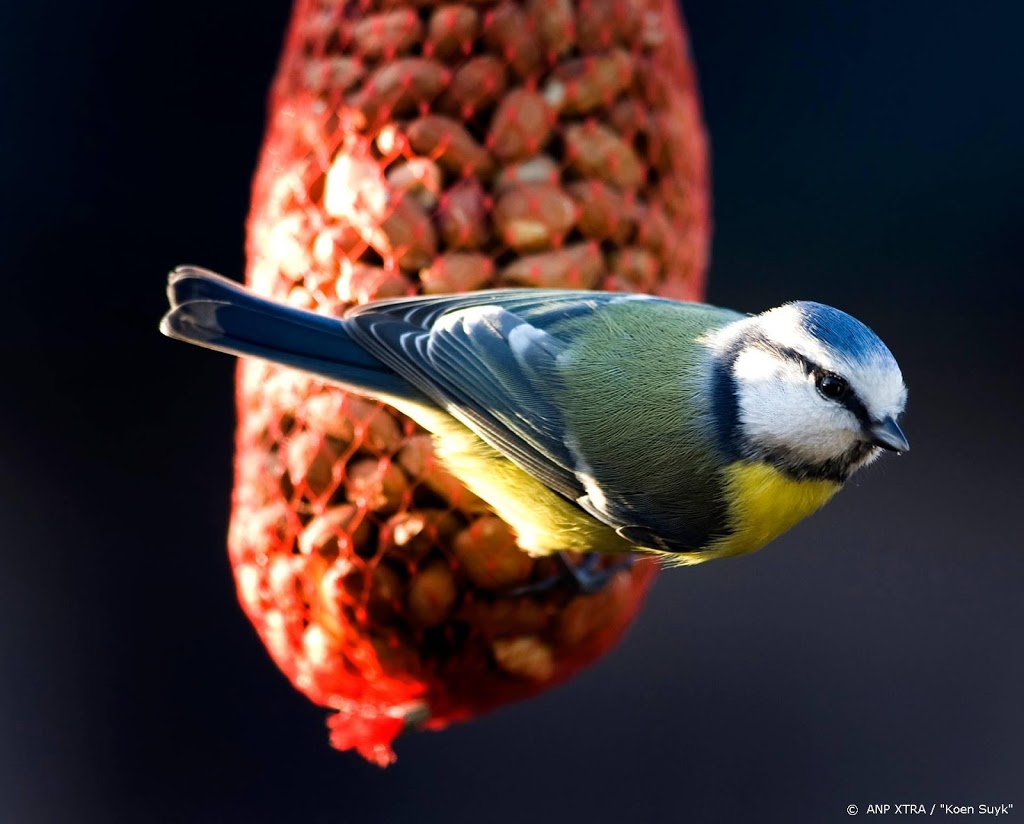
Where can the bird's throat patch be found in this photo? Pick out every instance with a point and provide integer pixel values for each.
(765, 502)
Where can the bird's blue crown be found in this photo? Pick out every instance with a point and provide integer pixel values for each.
(841, 332)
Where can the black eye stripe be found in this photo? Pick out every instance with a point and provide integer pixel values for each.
(850, 401)
(854, 404)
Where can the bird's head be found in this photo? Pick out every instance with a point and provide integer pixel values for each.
(813, 390)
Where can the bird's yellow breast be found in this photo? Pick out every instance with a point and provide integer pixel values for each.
(764, 503)
(544, 521)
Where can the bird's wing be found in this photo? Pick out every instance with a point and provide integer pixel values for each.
(490, 360)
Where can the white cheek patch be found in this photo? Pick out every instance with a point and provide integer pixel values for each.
(780, 408)
(756, 366)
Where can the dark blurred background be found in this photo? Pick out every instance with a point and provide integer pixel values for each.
(866, 154)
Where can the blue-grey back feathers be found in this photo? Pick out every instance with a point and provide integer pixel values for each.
(488, 359)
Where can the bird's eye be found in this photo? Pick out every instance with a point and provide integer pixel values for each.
(832, 386)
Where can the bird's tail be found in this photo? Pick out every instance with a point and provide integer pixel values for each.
(212, 311)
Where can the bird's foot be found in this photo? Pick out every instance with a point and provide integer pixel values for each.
(585, 578)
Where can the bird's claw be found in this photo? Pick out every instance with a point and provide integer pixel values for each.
(584, 578)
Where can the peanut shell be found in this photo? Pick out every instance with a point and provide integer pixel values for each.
(447, 141)
(340, 530)
(379, 485)
(461, 216)
(512, 35)
(594, 150)
(398, 88)
(534, 216)
(457, 272)
(604, 212)
(488, 553)
(387, 34)
(521, 126)
(556, 26)
(581, 85)
(451, 31)
(525, 656)
(475, 87)
(578, 266)
(432, 595)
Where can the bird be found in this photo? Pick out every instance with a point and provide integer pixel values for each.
(597, 422)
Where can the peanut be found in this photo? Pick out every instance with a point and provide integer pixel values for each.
(636, 265)
(355, 190)
(476, 86)
(380, 485)
(488, 553)
(594, 150)
(309, 459)
(360, 283)
(603, 23)
(332, 74)
(462, 216)
(411, 238)
(556, 25)
(629, 117)
(387, 591)
(326, 412)
(525, 656)
(419, 177)
(447, 141)
(511, 34)
(394, 656)
(654, 229)
(579, 86)
(432, 595)
(604, 212)
(266, 524)
(288, 245)
(457, 272)
(507, 616)
(538, 169)
(534, 216)
(339, 240)
(411, 535)
(521, 126)
(578, 266)
(451, 31)
(387, 34)
(339, 531)
(375, 428)
(678, 144)
(398, 88)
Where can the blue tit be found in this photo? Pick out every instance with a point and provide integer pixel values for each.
(598, 420)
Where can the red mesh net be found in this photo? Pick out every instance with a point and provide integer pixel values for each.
(415, 147)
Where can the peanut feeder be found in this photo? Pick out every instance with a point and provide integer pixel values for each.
(424, 147)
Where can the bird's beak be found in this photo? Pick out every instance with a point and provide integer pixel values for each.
(887, 434)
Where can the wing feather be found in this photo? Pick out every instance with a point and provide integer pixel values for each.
(489, 359)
